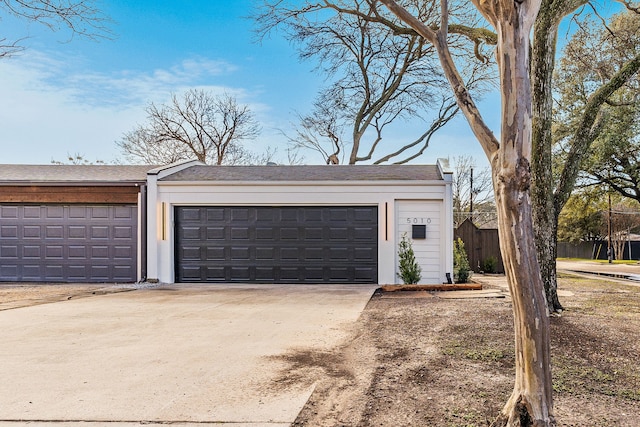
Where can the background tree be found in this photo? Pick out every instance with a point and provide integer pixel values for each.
(551, 188)
(80, 17)
(199, 124)
(582, 219)
(77, 159)
(625, 220)
(378, 76)
(472, 192)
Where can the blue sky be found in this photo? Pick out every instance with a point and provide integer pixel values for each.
(79, 96)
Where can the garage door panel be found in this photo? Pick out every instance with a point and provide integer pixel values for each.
(123, 232)
(215, 253)
(213, 233)
(54, 252)
(240, 214)
(192, 253)
(279, 244)
(9, 252)
(313, 254)
(69, 243)
(32, 232)
(122, 252)
(31, 252)
(240, 273)
(190, 233)
(339, 234)
(51, 212)
(77, 232)
(289, 254)
(314, 274)
(240, 254)
(99, 252)
(289, 233)
(31, 212)
(240, 233)
(212, 214)
(338, 274)
(8, 232)
(99, 232)
(213, 274)
(266, 253)
(266, 215)
(313, 233)
(78, 252)
(365, 234)
(266, 234)
(10, 271)
(31, 272)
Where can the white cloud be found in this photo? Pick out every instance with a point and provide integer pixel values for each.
(51, 106)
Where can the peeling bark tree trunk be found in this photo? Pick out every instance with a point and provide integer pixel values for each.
(531, 403)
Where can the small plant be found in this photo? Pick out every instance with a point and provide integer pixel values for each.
(461, 269)
(489, 264)
(410, 271)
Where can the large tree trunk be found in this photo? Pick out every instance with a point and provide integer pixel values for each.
(544, 212)
(531, 403)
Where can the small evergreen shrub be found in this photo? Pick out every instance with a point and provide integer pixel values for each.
(461, 269)
(489, 264)
(410, 271)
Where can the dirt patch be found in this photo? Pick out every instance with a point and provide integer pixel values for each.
(450, 362)
(25, 295)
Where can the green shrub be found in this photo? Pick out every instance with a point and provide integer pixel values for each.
(489, 264)
(410, 271)
(461, 269)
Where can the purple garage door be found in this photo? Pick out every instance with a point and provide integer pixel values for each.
(68, 243)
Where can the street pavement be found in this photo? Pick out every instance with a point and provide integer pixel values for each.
(180, 355)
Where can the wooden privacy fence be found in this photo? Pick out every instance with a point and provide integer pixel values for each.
(480, 244)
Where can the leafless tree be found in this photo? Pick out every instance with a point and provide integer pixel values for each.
(378, 76)
(625, 219)
(472, 190)
(80, 17)
(199, 124)
(77, 159)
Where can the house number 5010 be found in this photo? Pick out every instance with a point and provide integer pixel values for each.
(416, 220)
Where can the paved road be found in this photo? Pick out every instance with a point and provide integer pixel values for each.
(598, 267)
(190, 355)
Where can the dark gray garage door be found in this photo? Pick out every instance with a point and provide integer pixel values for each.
(277, 244)
(68, 243)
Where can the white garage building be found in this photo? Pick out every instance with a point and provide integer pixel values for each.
(297, 224)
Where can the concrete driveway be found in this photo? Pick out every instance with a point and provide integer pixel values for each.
(182, 355)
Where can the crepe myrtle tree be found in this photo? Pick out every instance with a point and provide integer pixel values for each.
(531, 403)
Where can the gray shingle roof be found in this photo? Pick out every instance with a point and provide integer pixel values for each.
(308, 173)
(67, 174)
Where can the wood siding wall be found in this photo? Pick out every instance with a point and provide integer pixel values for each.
(480, 244)
(69, 194)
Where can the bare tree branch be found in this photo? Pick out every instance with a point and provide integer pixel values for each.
(198, 124)
(80, 17)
